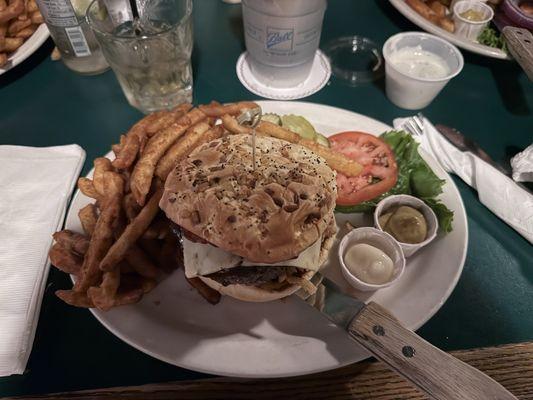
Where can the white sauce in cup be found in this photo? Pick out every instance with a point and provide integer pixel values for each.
(369, 264)
(419, 63)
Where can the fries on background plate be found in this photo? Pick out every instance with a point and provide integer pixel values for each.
(19, 19)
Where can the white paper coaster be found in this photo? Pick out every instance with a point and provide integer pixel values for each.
(319, 76)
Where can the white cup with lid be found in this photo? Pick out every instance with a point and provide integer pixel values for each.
(408, 84)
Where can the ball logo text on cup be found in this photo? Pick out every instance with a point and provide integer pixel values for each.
(280, 39)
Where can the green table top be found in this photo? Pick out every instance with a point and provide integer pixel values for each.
(43, 103)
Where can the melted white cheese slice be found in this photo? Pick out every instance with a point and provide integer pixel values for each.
(204, 259)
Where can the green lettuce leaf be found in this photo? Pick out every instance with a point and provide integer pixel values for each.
(443, 213)
(491, 37)
(415, 177)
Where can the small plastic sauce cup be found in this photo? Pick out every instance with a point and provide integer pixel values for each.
(405, 200)
(411, 92)
(382, 241)
(471, 29)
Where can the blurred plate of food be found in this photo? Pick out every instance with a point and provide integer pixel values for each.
(22, 32)
(129, 259)
(437, 17)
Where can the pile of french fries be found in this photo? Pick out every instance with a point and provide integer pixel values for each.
(435, 11)
(19, 19)
(127, 246)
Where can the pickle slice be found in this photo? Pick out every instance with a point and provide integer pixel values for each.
(271, 117)
(298, 125)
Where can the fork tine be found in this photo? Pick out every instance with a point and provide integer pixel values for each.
(407, 127)
(413, 127)
(416, 127)
(419, 119)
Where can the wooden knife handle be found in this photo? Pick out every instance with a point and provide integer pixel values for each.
(437, 373)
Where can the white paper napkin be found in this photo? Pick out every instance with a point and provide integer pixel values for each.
(35, 185)
(497, 192)
(522, 165)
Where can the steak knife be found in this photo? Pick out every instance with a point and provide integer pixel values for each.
(440, 375)
(463, 143)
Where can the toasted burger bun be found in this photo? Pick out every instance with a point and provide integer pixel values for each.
(257, 294)
(268, 215)
(253, 293)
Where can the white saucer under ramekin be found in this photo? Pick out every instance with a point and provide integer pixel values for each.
(317, 79)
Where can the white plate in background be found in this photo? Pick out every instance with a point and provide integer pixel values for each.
(29, 47)
(430, 27)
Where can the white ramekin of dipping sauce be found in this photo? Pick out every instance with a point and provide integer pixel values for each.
(417, 67)
(382, 241)
(405, 200)
(467, 28)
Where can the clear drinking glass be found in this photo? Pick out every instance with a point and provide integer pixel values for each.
(151, 55)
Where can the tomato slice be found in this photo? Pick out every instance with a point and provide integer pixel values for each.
(379, 173)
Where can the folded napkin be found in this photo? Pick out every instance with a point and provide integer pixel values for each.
(497, 192)
(522, 165)
(36, 184)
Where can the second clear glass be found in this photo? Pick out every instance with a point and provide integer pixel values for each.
(151, 57)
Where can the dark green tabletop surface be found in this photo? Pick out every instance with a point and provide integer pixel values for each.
(42, 103)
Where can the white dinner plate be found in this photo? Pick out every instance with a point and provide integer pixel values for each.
(430, 27)
(29, 47)
(284, 338)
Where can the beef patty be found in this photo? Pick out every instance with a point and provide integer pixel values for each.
(253, 276)
(247, 275)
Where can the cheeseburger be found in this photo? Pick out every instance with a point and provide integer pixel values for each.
(255, 234)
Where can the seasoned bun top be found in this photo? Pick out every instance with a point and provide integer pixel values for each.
(266, 215)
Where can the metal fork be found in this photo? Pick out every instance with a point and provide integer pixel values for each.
(414, 125)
